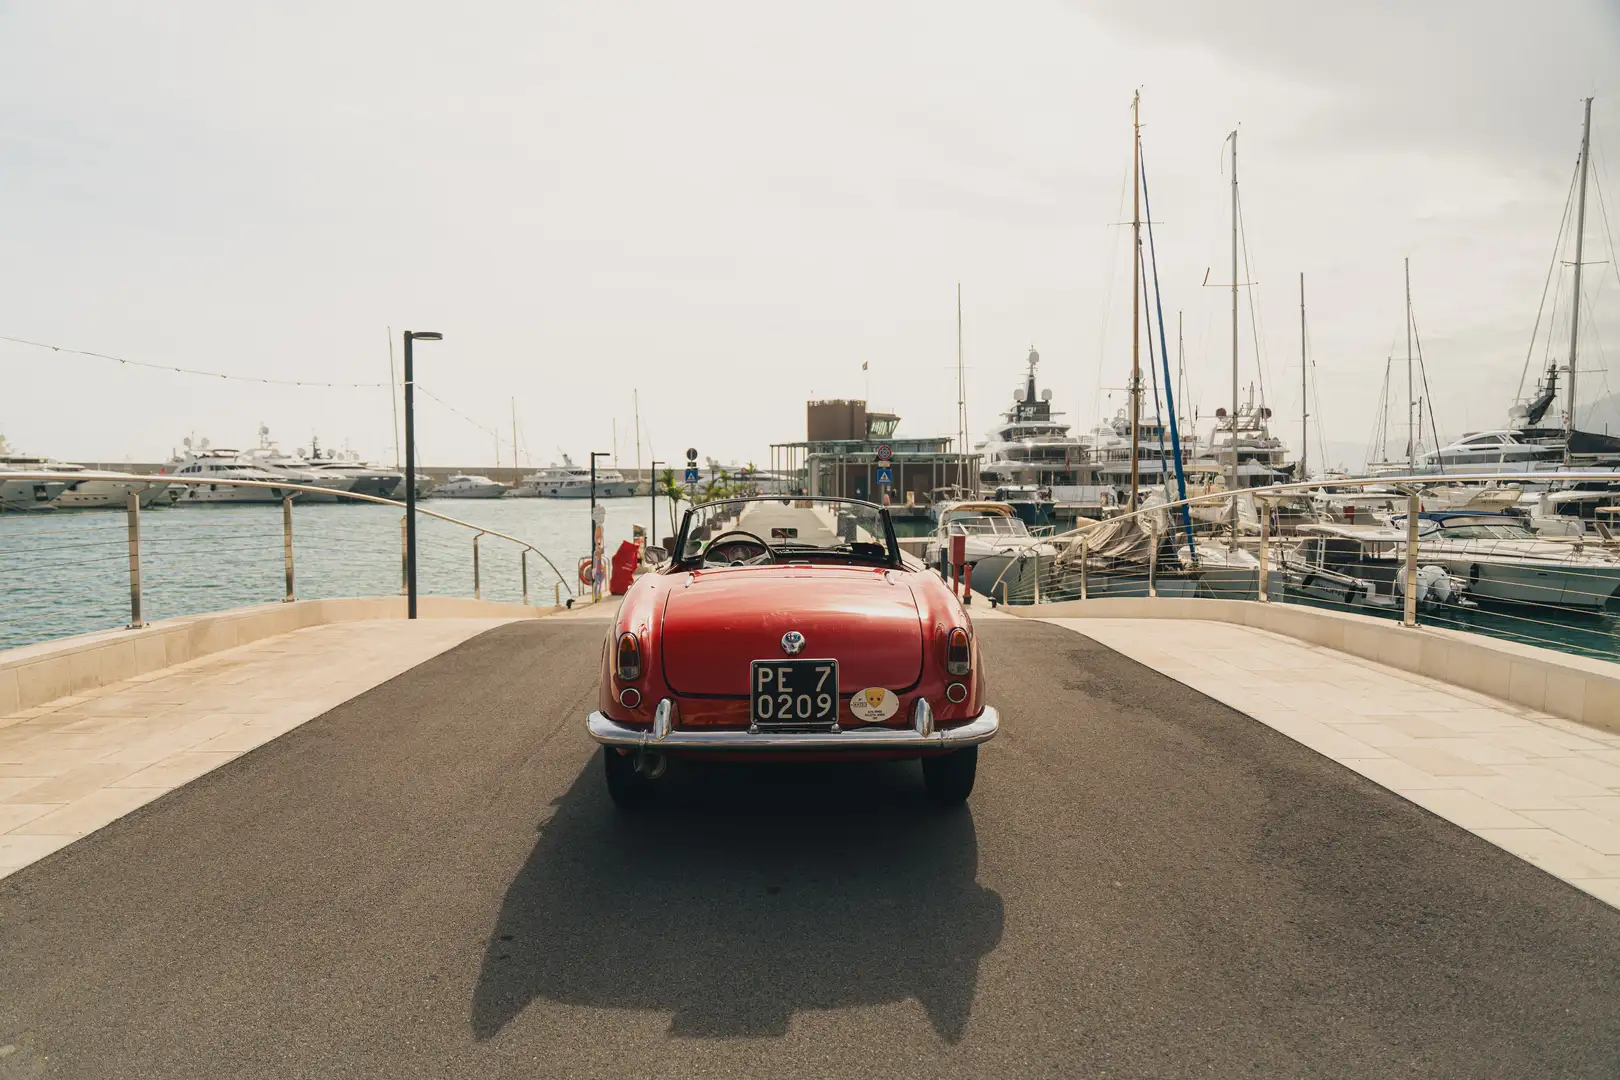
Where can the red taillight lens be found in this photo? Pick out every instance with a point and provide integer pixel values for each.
(629, 657)
(958, 655)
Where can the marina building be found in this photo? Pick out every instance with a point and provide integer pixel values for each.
(843, 454)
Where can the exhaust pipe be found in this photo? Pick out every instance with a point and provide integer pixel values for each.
(651, 766)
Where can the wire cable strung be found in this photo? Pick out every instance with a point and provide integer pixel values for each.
(1535, 329)
(191, 371)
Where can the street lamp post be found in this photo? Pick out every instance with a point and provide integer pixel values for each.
(596, 556)
(410, 468)
(652, 489)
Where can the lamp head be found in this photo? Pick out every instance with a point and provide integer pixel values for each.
(426, 335)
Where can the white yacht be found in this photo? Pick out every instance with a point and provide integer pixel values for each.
(1262, 457)
(998, 545)
(1502, 559)
(368, 479)
(570, 481)
(296, 469)
(469, 486)
(210, 463)
(94, 489)
(1029, 447)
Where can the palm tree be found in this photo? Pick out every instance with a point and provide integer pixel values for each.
(672, 491)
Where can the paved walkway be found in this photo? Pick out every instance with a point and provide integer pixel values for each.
(71, 766)
(430, 880)
(1541, 787)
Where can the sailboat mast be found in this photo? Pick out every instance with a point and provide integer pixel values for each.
(1575, 310)
(1411, 444)
(514, 433)
(393, 394)
(635, 404)
(1136, 292)
(961, 403)
(1304, 399)
(1233, 486)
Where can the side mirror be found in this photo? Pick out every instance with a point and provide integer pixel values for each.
(653, 556)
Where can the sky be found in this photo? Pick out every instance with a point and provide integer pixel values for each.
(724, 208)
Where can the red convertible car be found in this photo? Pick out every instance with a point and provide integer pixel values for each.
(790, 630)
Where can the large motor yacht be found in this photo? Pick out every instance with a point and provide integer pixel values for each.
(469, 486)
(296, 469)
(210, 463)
(368, 479)
(570, 481)
(1029, 447)
(92, 489)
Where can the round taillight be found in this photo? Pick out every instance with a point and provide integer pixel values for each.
(629, 697)
(956, 693)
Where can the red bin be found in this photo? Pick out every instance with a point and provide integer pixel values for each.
(624, 568)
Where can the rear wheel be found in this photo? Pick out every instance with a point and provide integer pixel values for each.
(949, 777)
(628, 787)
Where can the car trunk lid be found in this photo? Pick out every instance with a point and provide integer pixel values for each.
(720, 621)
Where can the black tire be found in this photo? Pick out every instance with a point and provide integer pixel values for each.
(949, 777)
(628, 788)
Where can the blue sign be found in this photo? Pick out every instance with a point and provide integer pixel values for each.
(885, 475)
(691, 476)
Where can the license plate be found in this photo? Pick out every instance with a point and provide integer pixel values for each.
(793, 692)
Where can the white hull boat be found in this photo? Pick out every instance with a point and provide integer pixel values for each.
(1502, 560)
(465, 486)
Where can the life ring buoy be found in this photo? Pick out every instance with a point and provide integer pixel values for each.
(585, 575)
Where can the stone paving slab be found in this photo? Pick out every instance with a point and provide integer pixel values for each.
(75, 764)
(1541, 787)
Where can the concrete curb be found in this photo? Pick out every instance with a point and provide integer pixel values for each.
(1579, 688)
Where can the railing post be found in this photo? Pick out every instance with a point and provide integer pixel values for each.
(1083, 595)
(134, 509)
(404, 559)
(286, 545)
(1037, 576)
(523, 561)
(477, 595)
(1265, 554)
(1153, 558)
(1409, 616)
(556, 594)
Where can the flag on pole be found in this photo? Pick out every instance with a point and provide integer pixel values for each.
(863, 365)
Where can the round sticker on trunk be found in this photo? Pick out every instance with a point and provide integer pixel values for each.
(875, 704)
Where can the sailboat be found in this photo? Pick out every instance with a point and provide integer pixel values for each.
(1528, 443)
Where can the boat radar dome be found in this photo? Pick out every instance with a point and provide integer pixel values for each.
(1220, 414)
(1046, 395)
(1019, 395)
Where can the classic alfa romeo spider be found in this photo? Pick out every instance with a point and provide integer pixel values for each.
(790, 630)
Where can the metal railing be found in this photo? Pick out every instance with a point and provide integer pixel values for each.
(1291, 544)
(60, 558)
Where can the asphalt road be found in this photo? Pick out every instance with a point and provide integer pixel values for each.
(430, 881)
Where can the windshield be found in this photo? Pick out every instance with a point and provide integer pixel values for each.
(1486, 531)
(757, 531)
(985, 525)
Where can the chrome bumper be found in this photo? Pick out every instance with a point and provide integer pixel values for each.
(920, 736)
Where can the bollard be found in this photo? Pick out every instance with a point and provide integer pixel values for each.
(1265, 536)
(286, 545)
(967, 585)
(404, 559)
(1153, 558)
(523, 561)
(134, 506)
(477, 595)
(1409, 615)
(556, 594)
(1083, 595)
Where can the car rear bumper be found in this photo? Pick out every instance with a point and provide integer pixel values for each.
(919, 737)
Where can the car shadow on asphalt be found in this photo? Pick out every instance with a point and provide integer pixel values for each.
(744, 894)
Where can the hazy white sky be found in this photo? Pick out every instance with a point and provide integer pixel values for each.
(730, 205)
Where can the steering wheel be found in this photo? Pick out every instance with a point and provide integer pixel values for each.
(734, 558)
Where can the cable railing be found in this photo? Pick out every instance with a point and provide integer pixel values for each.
(1519, 573)
(75, 571)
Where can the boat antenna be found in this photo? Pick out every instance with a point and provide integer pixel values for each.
(1575, 309)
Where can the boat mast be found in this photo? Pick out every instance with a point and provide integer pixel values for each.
(1304, 400)
(961, 404)
(1411, 446)
(393, 394)
(1233, 419)
(514, 433)
(635, 403)
(1136, 291)
(1575, 311)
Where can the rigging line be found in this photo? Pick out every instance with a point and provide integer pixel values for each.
(1603, 206)
(1261, 361)
(190, 371)
(1164, 354)
(1423, 370)
(1558, 245)
(458, 412)
(1108, 295)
